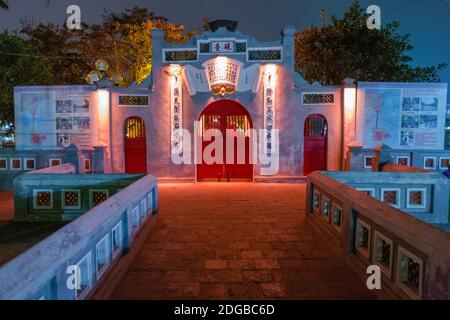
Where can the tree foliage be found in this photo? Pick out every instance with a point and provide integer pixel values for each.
(59, 45)
(122, 39)
(346, 48)
(19, 66)
(3, 5)
(48, 54)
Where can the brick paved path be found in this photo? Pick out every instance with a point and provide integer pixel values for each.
(236, 241)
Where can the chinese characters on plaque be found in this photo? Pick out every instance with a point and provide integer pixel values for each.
(269, 110)
(176, 91)
(222, 46)
(223, 75)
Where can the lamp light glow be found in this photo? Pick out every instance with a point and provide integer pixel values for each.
(223, 74)
(350, 101)
(270, 69)
(103, 107)
(349, 117)
(103, 116)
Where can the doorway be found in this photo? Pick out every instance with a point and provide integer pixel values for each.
(135, 146)
(222, 115)
(315, 144)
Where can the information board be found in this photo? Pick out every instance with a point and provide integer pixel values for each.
(402, 116)
(53, 116)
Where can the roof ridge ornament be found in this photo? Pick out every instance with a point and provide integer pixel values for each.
(231, 25)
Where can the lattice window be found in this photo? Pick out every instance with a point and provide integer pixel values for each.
(133, 100)
(383, 249)
(264, 55)
(410, 272)
(185, 55)
(318, 98)
(102, 255)
(403, 160)
(87, 165)
(143, 209)
(444, 162)
(383, 252)
(368, 162)
(325, 207)
(316, 126)
(316, 200)
(362, 238)
(3, 164)
(205, 47)
(136, 219)
(55, 162)
(71, 199)
(135, 128)
(30, 163)
(416, 198)
(337, 216)
(429, 163)
(98, 196)
(42, 199)
(391, 196)
(150, 202)
(117, 239)
(240, 47)
(15, 163)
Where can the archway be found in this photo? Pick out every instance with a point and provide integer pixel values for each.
(135, 146)
(222, 115)
(315, 144)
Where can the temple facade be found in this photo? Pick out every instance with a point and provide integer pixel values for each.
(175, 124)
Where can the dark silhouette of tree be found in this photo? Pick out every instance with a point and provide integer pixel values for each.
(347, 48)
(19, 66)
(4, 5)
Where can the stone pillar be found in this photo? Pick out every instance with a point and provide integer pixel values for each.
(355, 158)
(289, 48)
(157, 58)
(98, 159)
(73, 156)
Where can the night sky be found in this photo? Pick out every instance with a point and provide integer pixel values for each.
(428, 21)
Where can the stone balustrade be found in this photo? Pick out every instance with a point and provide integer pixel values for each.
(95, 246)
(413, 256)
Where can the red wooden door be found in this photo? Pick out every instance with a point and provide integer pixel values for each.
(223, 115)
(315, 144)
(135, 146)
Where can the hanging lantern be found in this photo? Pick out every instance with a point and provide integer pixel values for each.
(116, 78)
(93, 77)
(101, 65)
